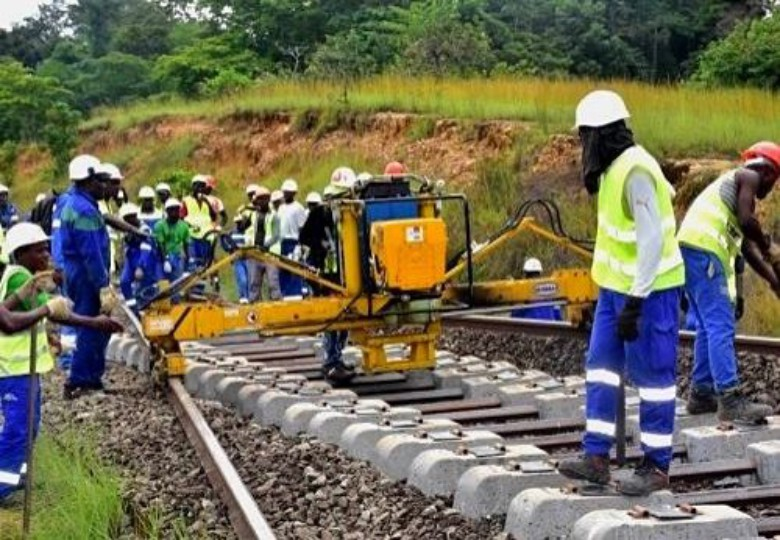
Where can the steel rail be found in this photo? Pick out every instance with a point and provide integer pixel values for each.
(744, 343)
(246, 517)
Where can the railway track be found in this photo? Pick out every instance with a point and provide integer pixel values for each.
(451, 398)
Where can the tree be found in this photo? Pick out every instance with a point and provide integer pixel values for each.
(344, 57)
(94, 21)
(144, 30)
(750, 55)
(35, 109)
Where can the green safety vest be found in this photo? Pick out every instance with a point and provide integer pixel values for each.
(615, 254)
(15, 348)
(198, 216)
(711, 226)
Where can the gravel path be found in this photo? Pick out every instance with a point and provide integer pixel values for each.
(141, 437)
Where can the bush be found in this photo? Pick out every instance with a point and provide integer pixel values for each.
(225, 83)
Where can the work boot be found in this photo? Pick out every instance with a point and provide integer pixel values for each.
(593, 469)
(646, 479)
(701, 402)
(734, 407)
(339, 375)
(71, 392)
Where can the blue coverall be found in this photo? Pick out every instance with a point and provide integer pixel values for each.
(67, 333)
(139, 253)
(13, 437)
(85, 250)
(7, 214)
(241, 266)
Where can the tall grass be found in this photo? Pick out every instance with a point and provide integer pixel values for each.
(670, 119)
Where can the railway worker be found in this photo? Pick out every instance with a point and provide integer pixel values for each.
(248, 208)
(313, 200)
(9, 214)
(292, 216)
(172, 237)
(720, 224)
(108, 207)
(163, 192)
(532, 269)
(277, 198)
(84, 253)
(264, 232)
(240, 266)
(199, 214)
(395, 170)
(139, 272)
(148, 214)
(216, 202)
(28, 248)
(639, 269)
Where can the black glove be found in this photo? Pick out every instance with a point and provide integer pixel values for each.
(628, 321)
(739, 308)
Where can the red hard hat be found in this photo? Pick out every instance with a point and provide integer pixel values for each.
(394, 168)
(211, 182)
(764, 149)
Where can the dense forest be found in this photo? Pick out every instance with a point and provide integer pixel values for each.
(74, 56)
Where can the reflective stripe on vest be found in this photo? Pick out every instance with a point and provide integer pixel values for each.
(15, 348)
(711, 226)
(198, 216)
(615, 254)
(270, 232)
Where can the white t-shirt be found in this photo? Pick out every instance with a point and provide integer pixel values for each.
(292, 216)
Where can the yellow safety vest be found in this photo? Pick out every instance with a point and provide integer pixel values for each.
(711, 226)
(615, 254)
(198, 216)
(269, 226)
(15, 348)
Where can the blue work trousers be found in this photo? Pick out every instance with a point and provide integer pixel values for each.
(333, 343)
(199, 253)
(241, 272)
(14, 392)
(89, 358)
(538, 313)
(290, 284)
(649, 362)
(714, 356)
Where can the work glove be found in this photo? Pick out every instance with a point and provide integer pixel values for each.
(40, 282)
(739, 308)
(297, 253)
(108, 300)
(139, 274)
(628, 320)
(167, 267)
(59, 307)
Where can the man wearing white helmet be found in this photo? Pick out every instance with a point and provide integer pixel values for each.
(277, 198)
(8, 212)
(163, 191)
(139, 272)
(28, 248)
(313, 200)
(638, 267)
(199, 214)
(172, 237)
(148, 213)
(264, 232)
(246, 209)
(292, 216)
(532, 269)
(83, 254)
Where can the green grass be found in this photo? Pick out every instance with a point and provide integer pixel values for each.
(75, 496)
(669, 119)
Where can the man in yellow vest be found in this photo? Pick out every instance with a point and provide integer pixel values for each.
(639, 270)
(27, 247)
(720, 225)
(199, 214)
(264, 232)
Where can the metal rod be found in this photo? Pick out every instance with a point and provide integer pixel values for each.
(32, 390)
(244, 514)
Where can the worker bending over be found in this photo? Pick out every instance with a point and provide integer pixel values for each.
(85, 251)
(639, 270)
(172, 237)
(532, 269)
(28, 248)
(139, 273)
(240, 266)
(720, 225)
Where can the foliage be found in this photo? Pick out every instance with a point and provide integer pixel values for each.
(344, 57)
(750, 55)
(226, 82)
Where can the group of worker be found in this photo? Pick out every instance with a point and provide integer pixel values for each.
(643, 264)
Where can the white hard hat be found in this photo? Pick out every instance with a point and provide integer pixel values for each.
(162, 186)
(330, 191)
(82, 167)
(23, 234)
(252, 189)
(262, 191)
(3, 188)
(238, 218)
(313, 197)
(40, 197)
(532, 265)
(128, 209)
(600, 108)
(199, 178)
(146, 192)
(112, 171)
(290, 185)
(172, 203)
(364, 176)
(343, 177)
(277, 195)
